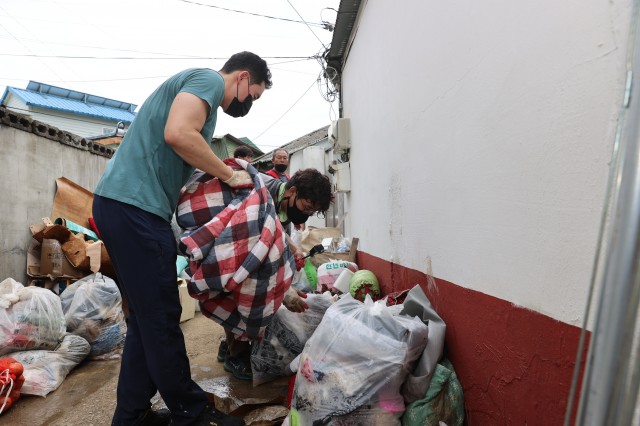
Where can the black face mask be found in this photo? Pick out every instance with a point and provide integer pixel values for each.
(280, 167)
(237, 108)
(294, 215)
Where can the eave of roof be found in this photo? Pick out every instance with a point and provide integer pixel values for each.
(298, 144)
(347, 14)
(74, 103)
(50, 102)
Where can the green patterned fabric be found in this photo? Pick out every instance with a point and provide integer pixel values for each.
(444, 401)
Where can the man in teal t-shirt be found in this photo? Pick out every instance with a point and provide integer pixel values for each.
(133, 206)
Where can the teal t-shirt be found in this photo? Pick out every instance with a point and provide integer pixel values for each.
(145, 171)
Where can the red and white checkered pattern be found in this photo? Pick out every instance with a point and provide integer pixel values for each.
(239, 260)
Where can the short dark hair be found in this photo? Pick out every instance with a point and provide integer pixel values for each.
(242, 151)
(251, 62)
(275, 151)
(313, 186)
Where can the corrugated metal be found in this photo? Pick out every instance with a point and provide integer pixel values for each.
(72, 106)
(347, 14)
(61, 92)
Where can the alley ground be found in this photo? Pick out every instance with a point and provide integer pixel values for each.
(87, 396)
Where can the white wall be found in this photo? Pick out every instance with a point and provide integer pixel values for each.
(79, 125)
(481, 137)
(316, 156)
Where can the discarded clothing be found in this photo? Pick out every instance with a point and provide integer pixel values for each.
(239, 260)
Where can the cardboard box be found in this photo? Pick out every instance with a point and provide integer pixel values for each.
(47, 261)
(82, 257)
(75, 250)
(187, 302)
(313, 236)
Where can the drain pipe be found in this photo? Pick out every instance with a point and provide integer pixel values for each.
(612, 376)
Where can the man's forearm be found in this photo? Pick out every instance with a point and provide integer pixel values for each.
(194, 150)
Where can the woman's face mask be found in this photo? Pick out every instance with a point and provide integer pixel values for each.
(240, 109)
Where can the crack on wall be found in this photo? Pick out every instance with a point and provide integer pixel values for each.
(457, 83)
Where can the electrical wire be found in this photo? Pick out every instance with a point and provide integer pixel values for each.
(253, 14)
(152, 77)
(22, 44)
(84, 46)
(314, 34)
(146, 58)
(285, 113)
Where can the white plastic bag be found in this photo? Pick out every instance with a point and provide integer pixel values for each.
(284, 339)
(93, 309)
(356, 359)
(31, 318)
(44, 371)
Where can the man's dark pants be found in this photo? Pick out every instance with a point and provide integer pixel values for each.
(143, 251)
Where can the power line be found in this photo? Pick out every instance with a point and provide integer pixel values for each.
(23, 45)
(151, 77)
(306, 24)
(94, 47)
(16, 55)
(253, 14)
(285, 113)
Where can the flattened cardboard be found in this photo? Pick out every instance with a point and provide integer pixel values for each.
(72, 202)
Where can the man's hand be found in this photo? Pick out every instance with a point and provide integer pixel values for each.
(239, 178)
(293, 300)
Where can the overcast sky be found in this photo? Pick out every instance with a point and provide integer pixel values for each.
(123, 49)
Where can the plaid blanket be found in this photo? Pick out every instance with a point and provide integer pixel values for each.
(239, 260)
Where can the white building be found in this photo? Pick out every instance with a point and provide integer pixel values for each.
(76, 112)
(481, 138)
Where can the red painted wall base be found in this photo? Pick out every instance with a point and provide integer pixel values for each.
(515, 365)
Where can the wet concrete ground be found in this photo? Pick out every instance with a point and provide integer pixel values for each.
(87, 397)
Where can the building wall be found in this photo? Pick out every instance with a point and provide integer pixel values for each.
(481, 139)
(31, 164)
(83, 126)
(317, 156)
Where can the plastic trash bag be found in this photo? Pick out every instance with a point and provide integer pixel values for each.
(30, 318)
(416, 304)
(284, 339)
(443, 401)
(44, 371)
(92, 309)
(357, 359)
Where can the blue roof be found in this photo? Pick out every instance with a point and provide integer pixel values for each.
(59, 99)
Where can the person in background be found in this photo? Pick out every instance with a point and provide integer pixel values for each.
(244, 153)
(280, 160)
(308, 192)
(133, 206)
